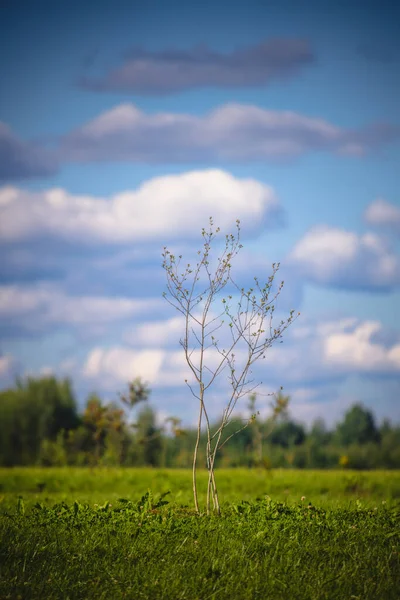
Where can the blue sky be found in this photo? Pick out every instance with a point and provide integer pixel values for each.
(123, 126)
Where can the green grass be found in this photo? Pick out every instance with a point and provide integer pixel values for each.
(80, 541)
(327, 488)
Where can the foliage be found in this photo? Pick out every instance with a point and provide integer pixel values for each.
(138, 392)
(149, 444)
(39, 424)
(358, 426)
(330, 487)
(106, 425)
(288, 434)
(37, 409)
(141, 546)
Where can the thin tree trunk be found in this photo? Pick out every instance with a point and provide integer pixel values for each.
(194, 469)
(211, 477)
(211, 486)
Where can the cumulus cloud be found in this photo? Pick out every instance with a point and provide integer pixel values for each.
(156, 333)
(317, 356)
(22, 160)
(35, 309)
(232, 132)
(343, 259)
(123, 364)
(161, 208)
(162, 368)
(382, 213)
(169, 71)
(160, 339)
(119, 364)
(357, 351)
(333, 350)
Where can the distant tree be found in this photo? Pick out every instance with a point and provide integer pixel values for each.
(390, 445)
(175, 425)
(138, 391)
(102, 421)
(316, 444)
(36, 409)
(386, 428)
(319, 434)
(13, 447)
(260, 431)
(56, 401)
(79, 446)
(287, 434)
(148, 441)
(53, 453)
(357, 427)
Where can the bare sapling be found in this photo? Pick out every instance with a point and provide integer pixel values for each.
(241, 318)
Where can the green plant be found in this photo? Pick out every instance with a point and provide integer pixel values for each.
(146, 548)
(196, 291)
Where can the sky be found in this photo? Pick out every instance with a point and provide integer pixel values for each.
(124, 126)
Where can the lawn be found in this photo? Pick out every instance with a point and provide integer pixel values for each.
(72, 533)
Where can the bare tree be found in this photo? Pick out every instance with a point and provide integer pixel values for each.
(195, 291)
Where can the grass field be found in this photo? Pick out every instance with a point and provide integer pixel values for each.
(74, 533)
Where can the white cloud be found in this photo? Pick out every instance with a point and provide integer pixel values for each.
(167, 333)
(119, 364)
(344, 259)
(162, 365)
(331, 350)
(34, 308)
(311, 367)
(156, 333)
(232, 132)
(163, 207)
(356, 351)
(123, 364)
(314, 351)
(382, 213)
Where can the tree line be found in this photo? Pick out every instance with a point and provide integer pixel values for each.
(40, 424)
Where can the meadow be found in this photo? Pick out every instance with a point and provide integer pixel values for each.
(132, 533)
